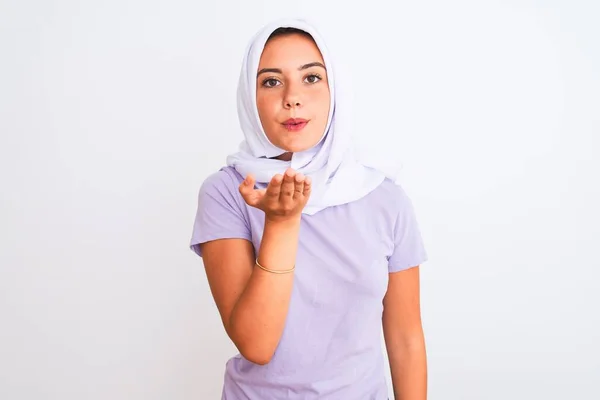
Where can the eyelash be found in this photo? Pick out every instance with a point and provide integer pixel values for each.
(264, 82)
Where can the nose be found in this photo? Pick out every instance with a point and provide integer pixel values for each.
(292, 104)
(292, 98)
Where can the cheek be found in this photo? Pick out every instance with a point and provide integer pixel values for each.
(321, 102)
(267, 106)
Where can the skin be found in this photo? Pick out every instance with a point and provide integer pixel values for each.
(403, 333)
(253, 303)
(292, 83)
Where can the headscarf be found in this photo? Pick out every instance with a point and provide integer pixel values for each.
(337, 175)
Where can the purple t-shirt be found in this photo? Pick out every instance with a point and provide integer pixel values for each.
(331, 345)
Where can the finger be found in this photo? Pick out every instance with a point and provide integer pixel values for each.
(299, 185)
(261, 192)
(307, 186)
(287, 187)
(247, 190)
(274, 187)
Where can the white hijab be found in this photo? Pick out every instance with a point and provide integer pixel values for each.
(337, 176)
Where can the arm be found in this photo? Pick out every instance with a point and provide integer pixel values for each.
(404, 337)
(253, 303)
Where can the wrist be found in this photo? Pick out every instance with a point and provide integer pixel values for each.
(286, 222)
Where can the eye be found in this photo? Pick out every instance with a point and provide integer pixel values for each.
(312, 78)
(270, 82)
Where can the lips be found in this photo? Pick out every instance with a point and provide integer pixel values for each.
(295, 124)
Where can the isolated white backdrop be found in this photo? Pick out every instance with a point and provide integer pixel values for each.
(112, 113)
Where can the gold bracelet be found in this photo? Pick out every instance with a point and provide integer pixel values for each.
(274, 271)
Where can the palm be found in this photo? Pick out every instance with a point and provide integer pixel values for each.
(284, 196)
(255, 197)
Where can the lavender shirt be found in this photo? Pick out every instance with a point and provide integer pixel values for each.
(331, 346)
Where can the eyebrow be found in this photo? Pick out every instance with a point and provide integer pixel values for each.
(303, 67)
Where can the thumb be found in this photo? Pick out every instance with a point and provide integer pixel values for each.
(247, 189)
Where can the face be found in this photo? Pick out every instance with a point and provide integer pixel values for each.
(292, 92)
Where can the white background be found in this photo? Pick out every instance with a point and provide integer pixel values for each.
(112, 113)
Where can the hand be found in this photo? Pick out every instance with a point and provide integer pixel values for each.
(284, 198)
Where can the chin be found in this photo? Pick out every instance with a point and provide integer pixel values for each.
(298, 147)
(299, 143)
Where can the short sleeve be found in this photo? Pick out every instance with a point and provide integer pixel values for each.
(409, 250)
(220, 214)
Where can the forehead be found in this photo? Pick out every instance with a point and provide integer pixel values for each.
(289, 50)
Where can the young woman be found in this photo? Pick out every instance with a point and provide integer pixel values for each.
(307, 251)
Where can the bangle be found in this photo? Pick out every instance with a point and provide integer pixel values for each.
(274, 271)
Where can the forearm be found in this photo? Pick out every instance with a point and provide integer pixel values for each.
(408, 365)
(258, 318)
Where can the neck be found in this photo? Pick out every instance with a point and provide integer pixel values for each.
(285, 156)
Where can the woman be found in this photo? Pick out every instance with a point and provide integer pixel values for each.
(307, 252)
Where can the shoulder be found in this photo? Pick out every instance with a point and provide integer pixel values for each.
(221, 211)
(226, 181)
(221, 189)
(392, 189)
(391, 197)
(392, 207)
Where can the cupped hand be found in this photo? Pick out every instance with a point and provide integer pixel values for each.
(284, 198)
